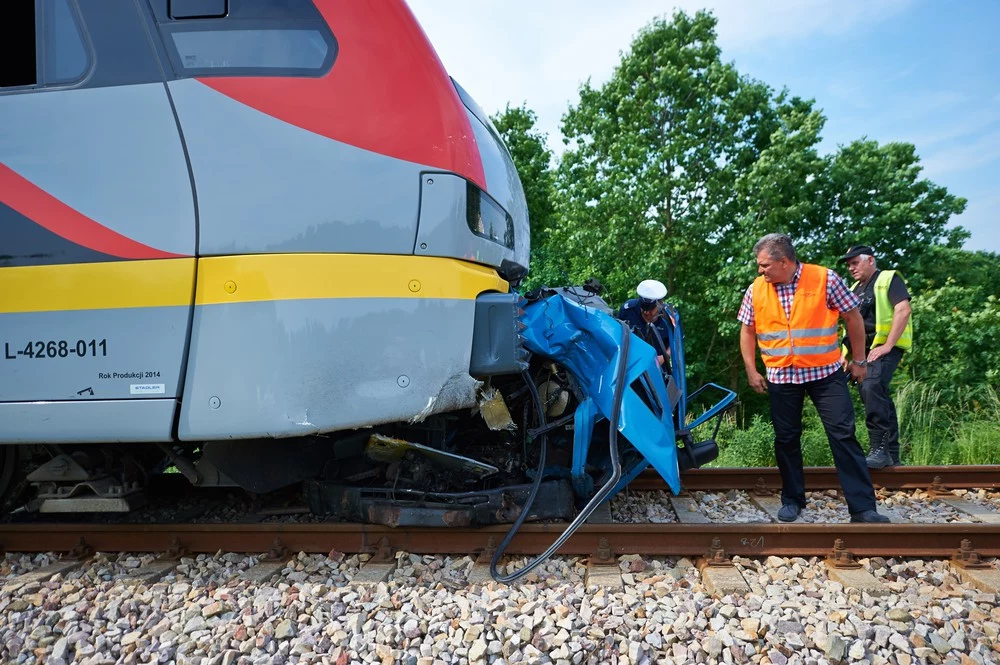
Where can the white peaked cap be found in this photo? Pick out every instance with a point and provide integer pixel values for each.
(651, 289)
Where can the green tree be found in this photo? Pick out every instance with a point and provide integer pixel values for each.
(783, 188)
(941, 265)
(646, 188)
(533, 161)
(875, 196)
(956, 337)
(677, 164)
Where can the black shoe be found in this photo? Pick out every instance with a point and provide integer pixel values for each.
(879, 458)
(896, 461)
(789, 512)
(869, 516)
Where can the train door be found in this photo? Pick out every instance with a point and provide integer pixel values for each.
(97, 227)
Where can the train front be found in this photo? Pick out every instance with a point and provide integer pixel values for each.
(361, 228)
(375, 205)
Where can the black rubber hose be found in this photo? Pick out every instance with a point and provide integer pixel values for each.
(534, 486)
(597, 499)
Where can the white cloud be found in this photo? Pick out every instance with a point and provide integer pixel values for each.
(905, 72)
(940, 99)
(959, 126)
(854, 93)
(540, 52)
(982, 219)
(958, 158)
(744, 25)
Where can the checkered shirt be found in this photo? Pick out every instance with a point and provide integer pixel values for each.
(838, 297)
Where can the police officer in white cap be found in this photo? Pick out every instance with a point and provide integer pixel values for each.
(646, 317)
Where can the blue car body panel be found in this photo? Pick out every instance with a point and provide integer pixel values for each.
(588, 343)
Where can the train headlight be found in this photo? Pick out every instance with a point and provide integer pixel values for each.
(487, 219)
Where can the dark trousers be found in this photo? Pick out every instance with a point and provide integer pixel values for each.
(880, 412)
(833, 403)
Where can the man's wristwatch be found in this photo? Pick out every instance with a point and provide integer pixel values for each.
(860, 363)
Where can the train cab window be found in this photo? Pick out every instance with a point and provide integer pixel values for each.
(41, 44)
(18, 60)
(198, 8)
(206, 38)
(64, 56)
(254, 50)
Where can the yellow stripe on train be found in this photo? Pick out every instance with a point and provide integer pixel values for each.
(244, 278)
(108, 285)
(228, 279)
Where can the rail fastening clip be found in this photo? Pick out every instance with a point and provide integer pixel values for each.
(968, 558)
(716, 556)
(603, 556)
(841, 557)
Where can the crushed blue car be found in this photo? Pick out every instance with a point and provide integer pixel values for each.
(588, 341)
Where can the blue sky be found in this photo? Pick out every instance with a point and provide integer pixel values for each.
(920, 71)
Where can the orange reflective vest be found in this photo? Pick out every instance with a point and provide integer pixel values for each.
(810, 338)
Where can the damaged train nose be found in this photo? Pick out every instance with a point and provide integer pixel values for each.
(573, 406)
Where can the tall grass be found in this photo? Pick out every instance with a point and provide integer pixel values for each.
(965, 429)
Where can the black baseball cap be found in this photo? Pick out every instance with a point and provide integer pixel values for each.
(858, 250)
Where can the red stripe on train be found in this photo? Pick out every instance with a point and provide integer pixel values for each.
(387, 91)
(46, 210)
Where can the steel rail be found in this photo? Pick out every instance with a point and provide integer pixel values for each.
(936, 540)
(825, 477)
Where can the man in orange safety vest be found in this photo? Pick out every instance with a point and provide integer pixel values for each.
(790, 313)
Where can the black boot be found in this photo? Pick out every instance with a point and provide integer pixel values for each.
(879, 457)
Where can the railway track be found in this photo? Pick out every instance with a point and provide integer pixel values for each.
(729, 558)
(825, 477)
(601, 537)
(910, 540)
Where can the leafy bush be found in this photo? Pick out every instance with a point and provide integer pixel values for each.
(752, 446)
(956, 339)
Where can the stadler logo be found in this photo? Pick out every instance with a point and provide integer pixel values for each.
(146, 388)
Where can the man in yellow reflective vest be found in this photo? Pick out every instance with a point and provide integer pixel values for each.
(791, 312)
(885, 308)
